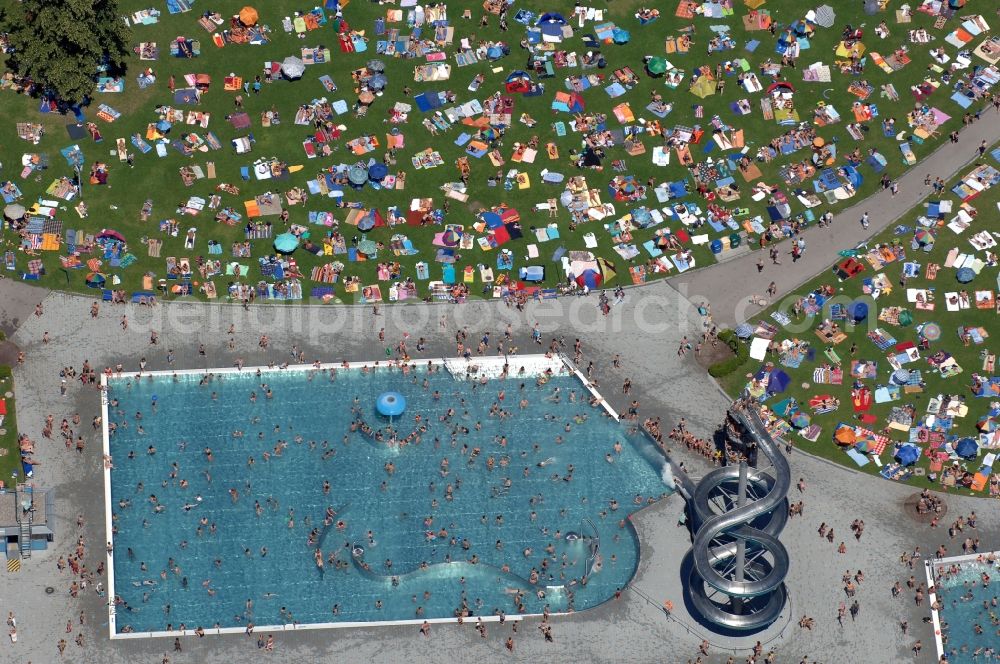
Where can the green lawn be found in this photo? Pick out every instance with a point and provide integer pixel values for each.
(9, 455)
(969, 356)
(117, 205)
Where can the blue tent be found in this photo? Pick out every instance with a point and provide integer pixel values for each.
(778, 382)
(551, 24)
(858, 311)
(908, 454)
(967, 448)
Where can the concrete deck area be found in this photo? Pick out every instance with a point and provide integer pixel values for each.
(646, 330)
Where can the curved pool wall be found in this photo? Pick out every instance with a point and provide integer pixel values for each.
(286, 577)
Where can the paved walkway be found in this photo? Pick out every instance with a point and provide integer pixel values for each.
(729, 285)
(645, 330)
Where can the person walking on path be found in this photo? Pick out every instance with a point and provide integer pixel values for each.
(982, 148)
(865, 221)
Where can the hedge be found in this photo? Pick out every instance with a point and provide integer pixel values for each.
(728, 366)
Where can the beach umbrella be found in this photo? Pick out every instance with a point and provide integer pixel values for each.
(375, 66)
(248, 16)
(377, 172)
(871, 7)
(451, 237)
(800, 420)
(845, 436)
(367, 247)
(901, 376)
(967, 448)
(905, 318)
(825, 16)
(357, 175)
(163, 126)
(367, 222)
(744, 331)
(908, 454)
(656, 66)
(931, 331)
(378, 82)
(366, 97)
(14, 211)
(965, 275)
(620, 36)
(293, 67)
(923, 237)
(590, 278)
(286, 243)
(95, 280)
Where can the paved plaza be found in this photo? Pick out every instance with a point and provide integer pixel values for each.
(645, 330)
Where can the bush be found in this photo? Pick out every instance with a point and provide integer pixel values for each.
(740, 357)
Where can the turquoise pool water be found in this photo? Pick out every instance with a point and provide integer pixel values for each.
(966, 602)
(227, 529)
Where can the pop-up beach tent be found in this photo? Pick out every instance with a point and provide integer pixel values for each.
(703, 87)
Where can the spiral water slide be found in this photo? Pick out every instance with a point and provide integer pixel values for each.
(739, 566)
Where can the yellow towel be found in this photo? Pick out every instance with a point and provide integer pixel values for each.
(50, 242)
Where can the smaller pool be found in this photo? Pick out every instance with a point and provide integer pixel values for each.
(968, 590)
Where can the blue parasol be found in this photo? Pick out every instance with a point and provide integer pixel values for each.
(286, 243)
(377, 172)
(967, 448)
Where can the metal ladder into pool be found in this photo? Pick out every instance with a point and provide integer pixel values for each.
(24, 518)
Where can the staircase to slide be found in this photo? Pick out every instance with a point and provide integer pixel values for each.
(738, 566)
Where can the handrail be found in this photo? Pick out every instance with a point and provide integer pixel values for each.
(694, 631)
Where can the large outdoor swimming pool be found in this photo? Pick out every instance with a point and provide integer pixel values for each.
(220, 494)
(967, 601)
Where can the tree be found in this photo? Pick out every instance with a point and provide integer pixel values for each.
(61, 44)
